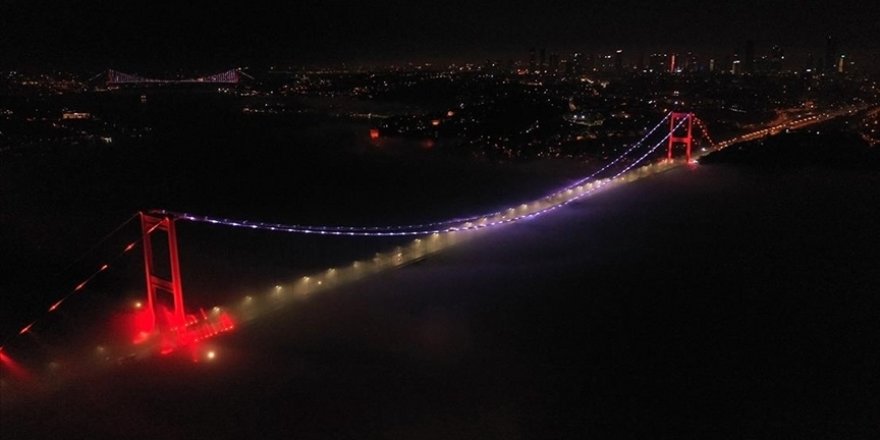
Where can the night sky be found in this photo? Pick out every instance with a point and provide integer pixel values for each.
(201, 34)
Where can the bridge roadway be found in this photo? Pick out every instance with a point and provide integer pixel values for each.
(777, 127)
(252, 307)
(606, 313)
(418, 249)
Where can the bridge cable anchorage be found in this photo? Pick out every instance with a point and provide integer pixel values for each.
(540, 206)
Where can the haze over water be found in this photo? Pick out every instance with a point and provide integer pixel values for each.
(624, 307)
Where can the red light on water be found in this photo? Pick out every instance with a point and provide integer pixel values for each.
(226, 322)
(177, 335)
(13, 367)
(374, 133)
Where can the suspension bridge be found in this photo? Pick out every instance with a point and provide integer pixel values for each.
(163, 326)
(117, 78)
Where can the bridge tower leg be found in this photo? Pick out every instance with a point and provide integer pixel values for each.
(150, 224)
(688, 139)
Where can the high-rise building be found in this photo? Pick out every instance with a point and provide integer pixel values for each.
(830, 54)
(810, 66)
(618, 61)
(690, 63)
(576, 63)
(658, 62)
(543, 66)
(776, 60)
(748, 64)
(532, 60)
(553, 66)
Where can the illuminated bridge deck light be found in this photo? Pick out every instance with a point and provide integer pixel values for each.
(26, 328)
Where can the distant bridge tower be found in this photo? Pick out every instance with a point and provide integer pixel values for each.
(674, 119)
(151, 224)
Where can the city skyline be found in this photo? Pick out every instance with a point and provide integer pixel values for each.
(449, 219)
(204, 34)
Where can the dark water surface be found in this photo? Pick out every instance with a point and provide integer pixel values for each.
(711, 302)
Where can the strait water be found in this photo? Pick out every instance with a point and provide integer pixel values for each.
(715, 301)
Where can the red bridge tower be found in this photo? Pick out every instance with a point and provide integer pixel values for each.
(151, 224)
(674, 119)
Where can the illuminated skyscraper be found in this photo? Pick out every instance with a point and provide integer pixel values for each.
(553, 66)
(748, 65)
(531, 60)
(776, 60)
(543, 66)
(618, 61)
(830, 54)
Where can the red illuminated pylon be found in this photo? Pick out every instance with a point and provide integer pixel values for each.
(674, 119)
(149, 225)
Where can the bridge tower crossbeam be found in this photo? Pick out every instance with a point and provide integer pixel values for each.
(688, 139)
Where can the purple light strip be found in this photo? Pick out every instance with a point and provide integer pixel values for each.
(395, 230)
(378, 232)
(625, 153)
